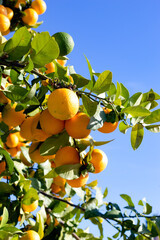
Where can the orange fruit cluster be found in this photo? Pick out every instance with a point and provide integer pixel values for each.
(28, 14)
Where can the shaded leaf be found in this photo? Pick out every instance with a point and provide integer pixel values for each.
(103, 82)
(137, 135)
(89, 105)
(70, 171)
(153, 117)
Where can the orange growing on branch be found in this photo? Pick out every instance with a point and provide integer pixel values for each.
(99, 160)
(78, 182)
(39, 6)
(30, 18)
(108, 127)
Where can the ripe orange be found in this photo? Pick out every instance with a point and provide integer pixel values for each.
(3, 10)
(99, 160)
(76, 127)
(55, 188)
(0, 117)
(30, 208)
(49, 124)
(6, 32)
(2, 166)
(30, 17)
(39, 6)
(59, 181)
(10, 13)
(25, 128)
(78, 182)
(63, 103)
(12, 151)
(4, 23)
(37, 133)
(11, 117)
(50, 67)
(23, 2)
(30, 235)
(34, 153)
(108, 127)
(12, 140)
(48, 221)
(67, 155)
(61, 62)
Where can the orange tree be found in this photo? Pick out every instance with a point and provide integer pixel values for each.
(47, 115)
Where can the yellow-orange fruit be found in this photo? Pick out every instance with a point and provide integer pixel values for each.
(108, 127)
(63, 104)
(99, 160)
(4, 23)
(31, 207)
(3, 98)
(76, 127)
(78, 182)
(11, 117)
(3, 10)
(30, 17)
(39, 6)
(55, 188)
(2, 166)
(37, 133)
(4, 33)
(25, 129)
(49, 124)
(34, 153)
(10, 13)
(50, 67)
(30, 235)
(61, 62)
(67, 155)
(12, 140)
(12, 151)
(59, 181)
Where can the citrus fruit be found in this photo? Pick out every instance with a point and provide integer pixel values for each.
(12, 151)
(11, 117)
(25, 128)
(61, 62)
(4, 23)
(3, 98)
(2, 166)
(59, 181)
(99, 160)
(39, 6)
(31, 207)
(3, 10)
(30, 235)
(108, 127)
(78, 182)
(10, 13)
(12, 140)
(65, 43)
(76, 127)
(49, 124)
(30, 17)
(37, 133)
(50, 68)
(55, 188)
(66, 155)
(34, 153)
(63, 103)
(4, 33)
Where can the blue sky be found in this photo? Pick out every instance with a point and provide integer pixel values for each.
(122, 36)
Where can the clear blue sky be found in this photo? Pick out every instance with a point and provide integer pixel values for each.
(122, 36)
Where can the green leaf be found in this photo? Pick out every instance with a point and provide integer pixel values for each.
(44, 49)
(113, 214)
(40, 221)
(6, 189)
(105, 193)
(136, 111)
(103, 82)
(153, 128)
(19, 44)
(92, 82)
(137, 135)
(97, 120)
(89, 105)
(10, 164)
(52, 144)
(153, 117)
(128, 199)
(92, 184)
(16, 93)
(5, 216)
(123, 127)
(69, 172)
(51, 174)
(135, 99)
(30, 196)
(122, 92)
(79, 80)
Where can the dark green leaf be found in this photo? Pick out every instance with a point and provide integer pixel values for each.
(30, 196)
(89, 105)
(113, 214)
(16, 93)
(6, 189)
(137, 135)
(79, 80)
(98, 119)
(10, 164)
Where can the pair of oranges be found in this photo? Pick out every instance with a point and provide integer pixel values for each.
(6, 14)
